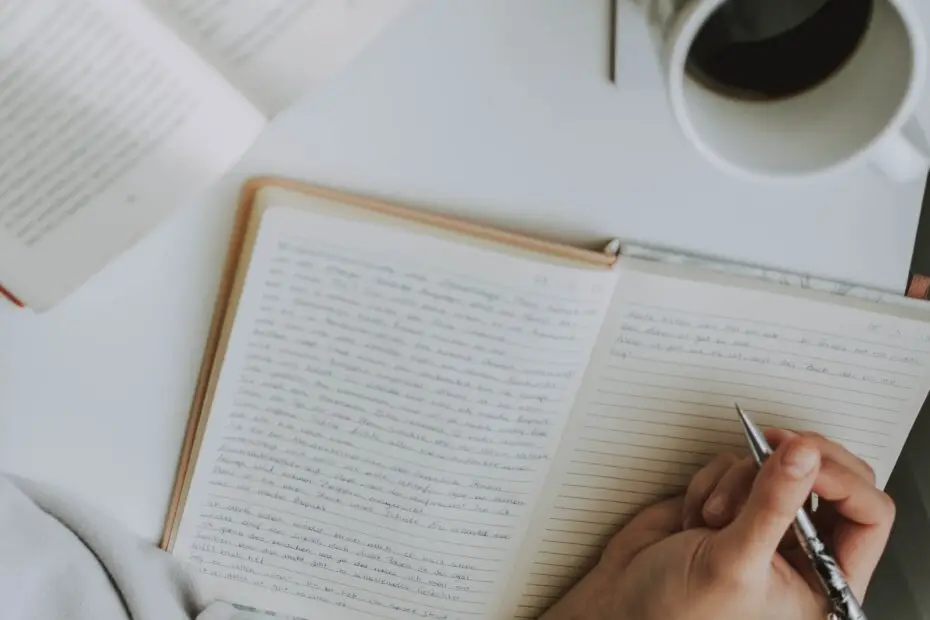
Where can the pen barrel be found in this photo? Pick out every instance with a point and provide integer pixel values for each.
(843, 603)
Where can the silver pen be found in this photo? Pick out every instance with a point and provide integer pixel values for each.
(842, 600)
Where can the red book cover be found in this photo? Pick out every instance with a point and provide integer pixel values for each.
(11, 297)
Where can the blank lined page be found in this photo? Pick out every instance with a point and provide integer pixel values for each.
(384, 421)
(657, 402)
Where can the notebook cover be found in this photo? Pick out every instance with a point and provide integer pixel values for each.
(918, 286)
(11, 297)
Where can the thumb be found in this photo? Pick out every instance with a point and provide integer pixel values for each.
(780, 490)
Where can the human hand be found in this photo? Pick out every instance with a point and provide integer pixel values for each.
(854, 520)
(655, 569)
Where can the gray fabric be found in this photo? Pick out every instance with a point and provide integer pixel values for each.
(61, 559)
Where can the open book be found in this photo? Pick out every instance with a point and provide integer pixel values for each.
(402, 416)
(113, 112)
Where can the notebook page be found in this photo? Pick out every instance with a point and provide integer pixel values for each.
(384, 420)
(657, 402)
(107, 123)
(277, 50)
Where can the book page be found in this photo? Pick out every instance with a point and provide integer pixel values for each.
(384, 420)
(658, 401)
(274, 51)
(107, 124)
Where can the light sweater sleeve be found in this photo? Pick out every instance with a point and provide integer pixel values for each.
(61, 559)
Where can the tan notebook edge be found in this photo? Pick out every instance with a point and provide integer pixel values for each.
(237, 259)
(234, 255)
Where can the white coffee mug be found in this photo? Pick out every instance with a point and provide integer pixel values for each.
(859, 113)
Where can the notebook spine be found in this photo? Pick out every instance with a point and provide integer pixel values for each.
(917, 294)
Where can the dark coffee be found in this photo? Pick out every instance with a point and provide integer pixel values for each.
(773, 49)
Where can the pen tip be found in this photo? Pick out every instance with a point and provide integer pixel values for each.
(742, 417)
(739, 411)
(757, 443)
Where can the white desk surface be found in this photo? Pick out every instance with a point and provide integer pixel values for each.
(495, 110)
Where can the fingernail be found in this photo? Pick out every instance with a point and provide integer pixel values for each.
(800, 460)
(716, 505)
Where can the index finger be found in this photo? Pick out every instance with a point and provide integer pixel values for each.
(830, 450)
(867, 515)
(853, 497)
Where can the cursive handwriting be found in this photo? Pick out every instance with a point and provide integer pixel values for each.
(741, 351)
(719, 331)
(382, 429)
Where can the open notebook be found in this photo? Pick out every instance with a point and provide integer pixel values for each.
(404, 416)
(113, 112)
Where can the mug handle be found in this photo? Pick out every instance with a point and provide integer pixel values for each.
(900, 156)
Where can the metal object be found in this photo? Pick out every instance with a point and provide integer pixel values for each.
(612, 47)
(842, 600)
